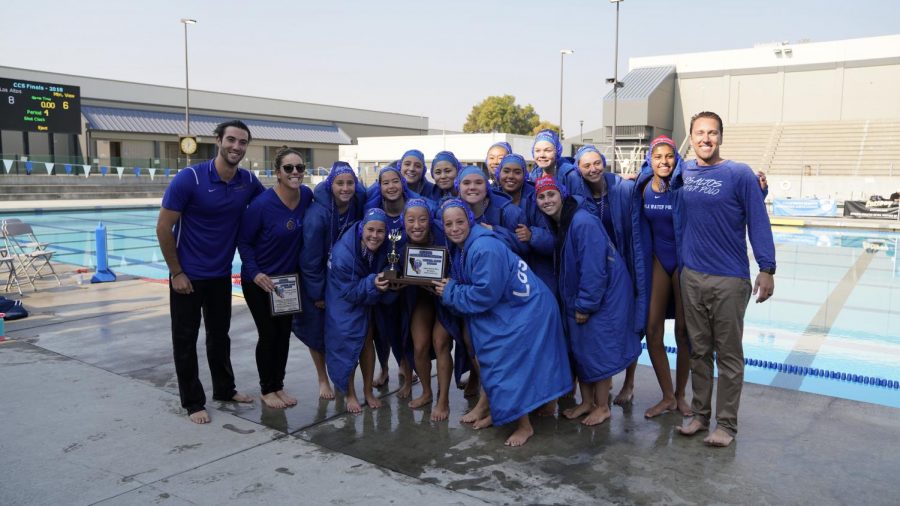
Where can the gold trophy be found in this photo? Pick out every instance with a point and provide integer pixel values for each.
(393, 257)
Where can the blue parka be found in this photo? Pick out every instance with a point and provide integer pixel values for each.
(504, 217)
(351, 301)
(452, 323)
(620, 195)
(322, 225)
(514, 323)
(425, 188)
(594, 280)
(541, 245)
(391, 329)
(642, 241)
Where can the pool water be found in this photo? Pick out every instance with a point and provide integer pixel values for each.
(836, 309)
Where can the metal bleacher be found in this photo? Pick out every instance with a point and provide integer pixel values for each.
(835, 148)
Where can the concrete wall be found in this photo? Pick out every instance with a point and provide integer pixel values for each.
(137, 150)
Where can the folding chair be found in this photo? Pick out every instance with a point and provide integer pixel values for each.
(32, 260)
(7, 261)
(29, 245)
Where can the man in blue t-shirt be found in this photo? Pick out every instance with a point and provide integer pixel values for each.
(197, 231)
(718, 207)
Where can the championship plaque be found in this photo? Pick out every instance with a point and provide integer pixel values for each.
(285, 298)
(424, 264)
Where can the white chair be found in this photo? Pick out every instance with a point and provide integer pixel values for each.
(32, 258)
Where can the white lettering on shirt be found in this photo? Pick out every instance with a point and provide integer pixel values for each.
(705, 185)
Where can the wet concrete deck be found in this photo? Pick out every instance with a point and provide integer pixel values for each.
(91, 414)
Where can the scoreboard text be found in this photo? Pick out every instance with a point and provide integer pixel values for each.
(30, 106)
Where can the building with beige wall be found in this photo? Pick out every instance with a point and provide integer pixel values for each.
(820, 117)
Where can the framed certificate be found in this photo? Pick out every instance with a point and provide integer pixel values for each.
(285, 298)
(424, 264)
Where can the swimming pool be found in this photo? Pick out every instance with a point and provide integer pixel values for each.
(836, 310)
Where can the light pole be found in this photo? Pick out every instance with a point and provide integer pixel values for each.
(562, 55)
(581, 131)
(187, 95)
(616, 85)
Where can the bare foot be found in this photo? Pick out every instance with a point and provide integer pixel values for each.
(577, 411)
(325, 391)
(405, 390)
(718, 438)
(272, 400)
(420, 401)
(520, 436)
(692, 428)
(685, 407)
(599, 415)
(288, 400)
(353, 404)
(663, 406)
(484, 423)
(548, 409)
(382, 379)
(477, 413)
(440, 412)
(372, 401)
(626, 395)
(243, 398)
(200, 417)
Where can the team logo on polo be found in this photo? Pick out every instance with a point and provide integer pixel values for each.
(290, 225)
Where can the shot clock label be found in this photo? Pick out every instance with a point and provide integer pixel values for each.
(31, 106)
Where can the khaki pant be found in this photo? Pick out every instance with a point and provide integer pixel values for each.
(714, 308)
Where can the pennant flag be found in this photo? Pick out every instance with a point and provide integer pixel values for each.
(256, 172)
(49, 167)
(87, 170)
(104, 170)
(168, 172)
(28, 167)
(8, 165)
(152, 173)
(268, 172)
(68, 168)
(120, 170)
(137, 172)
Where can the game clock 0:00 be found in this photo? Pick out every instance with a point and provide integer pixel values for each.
(31, 106)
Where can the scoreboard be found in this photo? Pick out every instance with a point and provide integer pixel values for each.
(31, 106)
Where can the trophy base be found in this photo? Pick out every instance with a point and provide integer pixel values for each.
(390, 275)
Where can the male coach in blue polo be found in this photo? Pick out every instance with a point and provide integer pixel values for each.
(197, 231)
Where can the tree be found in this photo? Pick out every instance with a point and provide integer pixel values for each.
(545, 125)
(502, 114)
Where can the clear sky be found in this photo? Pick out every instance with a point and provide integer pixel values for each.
(421, 57)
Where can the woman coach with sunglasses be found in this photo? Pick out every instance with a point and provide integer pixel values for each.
(269, 242)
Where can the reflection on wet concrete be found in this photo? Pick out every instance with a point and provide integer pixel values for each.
(626, 460)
